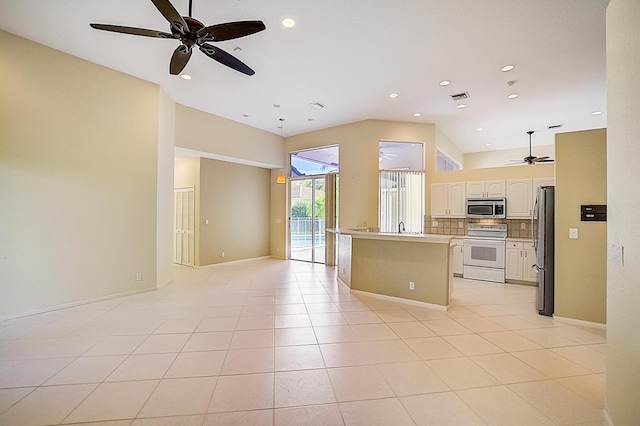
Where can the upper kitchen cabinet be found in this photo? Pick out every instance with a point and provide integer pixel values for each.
(521, 195)
(448, 199)
(486, 189)
(519, 201)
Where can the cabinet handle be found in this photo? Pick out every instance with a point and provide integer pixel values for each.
(520, 254)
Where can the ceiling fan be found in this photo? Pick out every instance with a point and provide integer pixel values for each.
(532, 159)
(192, 32)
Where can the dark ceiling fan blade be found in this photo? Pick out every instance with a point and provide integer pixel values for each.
(230, 30)
(179, 59)
(224, 58)
(133, 31)
(547, 160)
(541, 158)
(171, 14)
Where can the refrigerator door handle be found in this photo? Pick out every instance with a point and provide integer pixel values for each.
(533, 216)
(536, 269)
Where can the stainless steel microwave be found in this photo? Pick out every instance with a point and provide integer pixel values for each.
(487, 208)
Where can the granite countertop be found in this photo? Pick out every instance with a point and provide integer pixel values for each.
(407, 237)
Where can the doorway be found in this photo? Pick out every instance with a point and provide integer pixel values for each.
(307, 218)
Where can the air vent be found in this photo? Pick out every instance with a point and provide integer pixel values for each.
(318, 105)
(555, 126)
(460, 96)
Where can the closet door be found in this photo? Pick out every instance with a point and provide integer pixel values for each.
(184, 221)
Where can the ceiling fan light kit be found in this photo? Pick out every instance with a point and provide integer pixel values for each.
(192, 32)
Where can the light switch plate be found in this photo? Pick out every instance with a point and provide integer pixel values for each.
(617, 254)
(573, 233)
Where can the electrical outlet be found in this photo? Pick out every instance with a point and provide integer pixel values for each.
(523, 225)
(138, 276)
(461, 224)
(412, 285)
(573, 233)
(222, 254)
(434, 223)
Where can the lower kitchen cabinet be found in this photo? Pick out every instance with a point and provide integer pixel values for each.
(520, 256)
(457, 256)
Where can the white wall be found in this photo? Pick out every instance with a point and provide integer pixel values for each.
(444, 144)
(623, 199)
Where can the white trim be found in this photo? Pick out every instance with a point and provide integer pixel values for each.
(401, 300)
(581, 322)
(78, 303)
(231, 261)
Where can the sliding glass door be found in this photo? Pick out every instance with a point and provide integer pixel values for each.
(307, 219)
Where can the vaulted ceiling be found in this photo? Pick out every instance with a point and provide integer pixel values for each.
(351, 55)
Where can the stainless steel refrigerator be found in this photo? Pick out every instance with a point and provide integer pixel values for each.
(544, 245)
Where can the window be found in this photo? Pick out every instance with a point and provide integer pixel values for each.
(401, 186)
(445, 163)
(316, 161)
(401, 199)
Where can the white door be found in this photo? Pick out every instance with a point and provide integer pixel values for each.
(184, 226)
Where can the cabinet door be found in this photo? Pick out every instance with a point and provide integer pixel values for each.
(513, 264)
(529, 259)
(439, 199)
(494, 188)
(475, 190)
(457, 198)
(519, 201)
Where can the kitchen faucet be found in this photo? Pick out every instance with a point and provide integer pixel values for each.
(401, 228)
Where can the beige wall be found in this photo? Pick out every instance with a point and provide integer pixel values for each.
(504, 157)
(581, 264)
(236, 200)
(164, 226)
(228, 140)
(623, 173)
(78, 174)
(358, 150)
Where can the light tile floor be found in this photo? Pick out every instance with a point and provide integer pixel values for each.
(271, 342)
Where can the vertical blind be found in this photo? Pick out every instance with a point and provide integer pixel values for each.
(401, 199)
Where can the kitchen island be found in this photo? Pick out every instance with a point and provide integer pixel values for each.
(385, 264)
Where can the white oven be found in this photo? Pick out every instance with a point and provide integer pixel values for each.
(484, 252)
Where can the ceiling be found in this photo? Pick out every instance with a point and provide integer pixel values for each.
(351, 55)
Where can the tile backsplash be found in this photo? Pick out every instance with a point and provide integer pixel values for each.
(516, 228)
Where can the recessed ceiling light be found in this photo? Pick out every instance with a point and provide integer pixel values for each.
(186, 76)
(479, 129)
(596, 113)
(507, 68)
(416, 114)
(460, 106)
(445, 83)
(288, 22)
(393, 95)
(513, 96)
(487, 144)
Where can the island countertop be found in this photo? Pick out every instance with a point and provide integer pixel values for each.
(389, 236)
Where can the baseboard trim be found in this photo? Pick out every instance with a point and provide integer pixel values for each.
(581, 322)
(234, 261)
(74, 304)
(401, 300)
